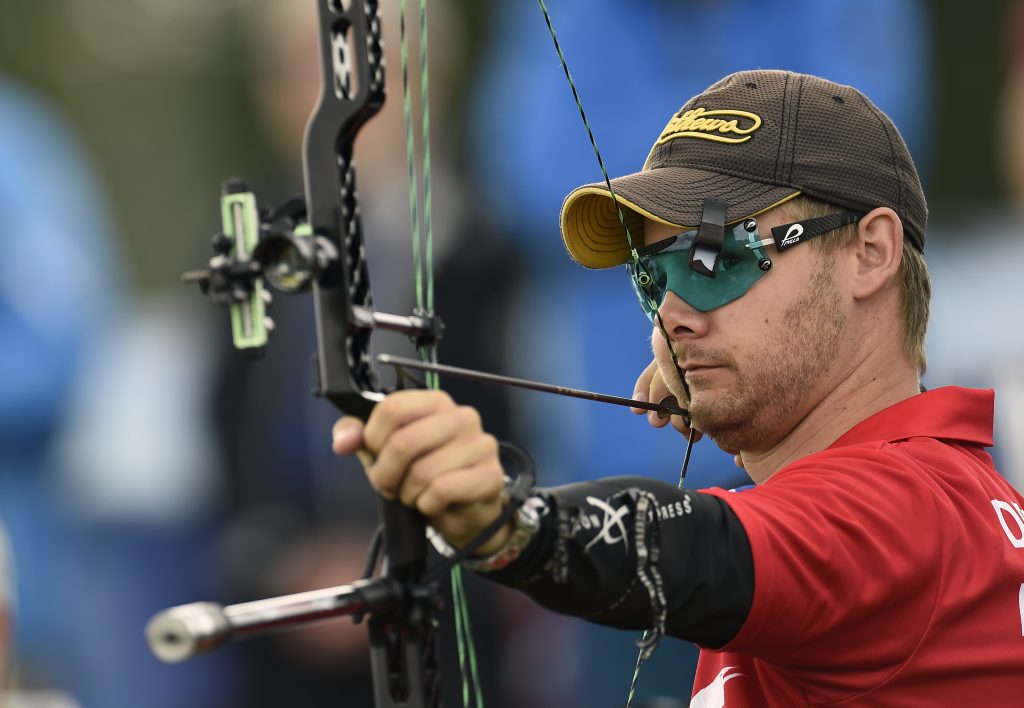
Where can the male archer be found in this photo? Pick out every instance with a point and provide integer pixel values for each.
(776, 234)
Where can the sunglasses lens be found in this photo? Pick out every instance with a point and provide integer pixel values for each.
(668, 269)
(649, 292)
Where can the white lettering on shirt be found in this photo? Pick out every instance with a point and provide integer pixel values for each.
(1014, 512)
(1020, 601)
(713, 695)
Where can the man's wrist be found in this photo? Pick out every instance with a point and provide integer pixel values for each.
(505, 545)
(498, 539)
(524, 527)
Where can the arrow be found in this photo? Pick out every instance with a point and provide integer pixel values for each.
(666, 407)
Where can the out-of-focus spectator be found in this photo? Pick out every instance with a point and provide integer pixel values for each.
(59, 280)
(98, 470)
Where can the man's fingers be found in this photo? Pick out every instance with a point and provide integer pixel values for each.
(462, 453)
(469, 486)
(679, 424)
(642, 389)
(398, 410)
(658, 421)
(422, 449)
(347, 435)
(463, 502)
(347, 439)
(639, 395)
(417, 439)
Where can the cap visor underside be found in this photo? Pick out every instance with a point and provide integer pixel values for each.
(593, 233)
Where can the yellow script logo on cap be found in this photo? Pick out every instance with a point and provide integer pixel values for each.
(731, 127)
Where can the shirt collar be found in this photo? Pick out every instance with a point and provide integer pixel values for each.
(949, 413)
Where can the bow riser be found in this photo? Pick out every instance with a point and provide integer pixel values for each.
(352, 92)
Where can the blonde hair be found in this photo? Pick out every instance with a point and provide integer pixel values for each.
(915, 283)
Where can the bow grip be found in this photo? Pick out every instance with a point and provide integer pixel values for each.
(405, 540)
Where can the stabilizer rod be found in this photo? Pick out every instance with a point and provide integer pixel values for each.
(182, 632)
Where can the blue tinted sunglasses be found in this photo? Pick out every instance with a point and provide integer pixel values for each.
(714, 265)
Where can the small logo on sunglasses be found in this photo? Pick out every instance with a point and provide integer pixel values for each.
(793, 234)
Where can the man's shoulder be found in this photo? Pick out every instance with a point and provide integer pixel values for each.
(873, 463)
(951, 413)
(880, 484)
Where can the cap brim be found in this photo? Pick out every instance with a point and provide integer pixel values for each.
(593, 233)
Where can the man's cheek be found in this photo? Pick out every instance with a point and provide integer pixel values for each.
(660, 347)
(670, 376)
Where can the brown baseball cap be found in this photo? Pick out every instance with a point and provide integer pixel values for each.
(755, 139)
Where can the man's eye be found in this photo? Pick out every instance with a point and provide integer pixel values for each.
(726, 263)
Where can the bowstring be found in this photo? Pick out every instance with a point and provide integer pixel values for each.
(634, 257)
(423, 264)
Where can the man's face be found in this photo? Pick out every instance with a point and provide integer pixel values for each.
(757, 365)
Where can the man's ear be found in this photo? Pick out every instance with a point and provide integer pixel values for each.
(877, 252)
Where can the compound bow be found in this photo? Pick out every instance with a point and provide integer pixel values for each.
(316, 243)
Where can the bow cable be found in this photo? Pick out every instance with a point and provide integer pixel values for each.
(423, 264)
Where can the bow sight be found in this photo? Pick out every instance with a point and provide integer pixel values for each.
(278, 247)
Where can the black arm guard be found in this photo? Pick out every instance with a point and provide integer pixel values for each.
(636, 553)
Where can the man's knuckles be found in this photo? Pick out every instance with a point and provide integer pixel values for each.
(488, 445)
(471, 451)
(469, 417)
(419, 477)
(401, 408)
(480, 485)
(383, 480)
(401, 405)
(401, 447)
(441, 494)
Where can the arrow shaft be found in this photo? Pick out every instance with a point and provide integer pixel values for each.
(666, 407)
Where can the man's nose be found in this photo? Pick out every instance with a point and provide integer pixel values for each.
(681, 319)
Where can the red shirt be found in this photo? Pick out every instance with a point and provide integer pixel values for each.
(888, 570)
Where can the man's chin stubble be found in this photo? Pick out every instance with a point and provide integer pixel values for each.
(721, 420)
(721, 415)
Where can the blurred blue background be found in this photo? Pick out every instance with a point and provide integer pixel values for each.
(143, 464)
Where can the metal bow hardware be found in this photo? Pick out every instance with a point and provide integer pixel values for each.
(315, 243)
